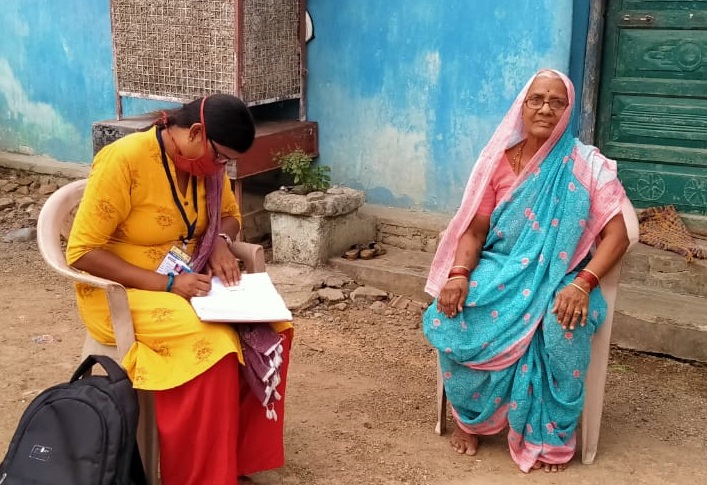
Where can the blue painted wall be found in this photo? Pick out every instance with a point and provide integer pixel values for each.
(406, 93)
(56, 76)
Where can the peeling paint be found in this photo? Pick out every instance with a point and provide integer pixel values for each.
(38, 118)
(406, 98)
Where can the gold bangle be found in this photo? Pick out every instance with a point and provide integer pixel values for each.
(459, 266)
(580, 288)
(457, 278)
(591, 273)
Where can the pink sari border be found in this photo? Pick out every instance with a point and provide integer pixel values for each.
(509, 356)
(493, 425)
(525, 454)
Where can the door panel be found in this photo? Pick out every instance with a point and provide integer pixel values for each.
(652, 111)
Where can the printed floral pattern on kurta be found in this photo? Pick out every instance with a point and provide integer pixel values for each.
(128, 209)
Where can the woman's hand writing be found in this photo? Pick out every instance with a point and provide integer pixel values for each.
(224, 264)
(572, 305)
(452, 297)
(188, 285)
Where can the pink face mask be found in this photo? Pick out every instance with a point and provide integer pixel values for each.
(201, 166)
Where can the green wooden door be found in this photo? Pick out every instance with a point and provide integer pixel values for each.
(652, 111)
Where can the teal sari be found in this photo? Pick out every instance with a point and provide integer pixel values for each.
(505, 359)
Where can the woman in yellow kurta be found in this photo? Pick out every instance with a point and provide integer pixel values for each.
(149, 194)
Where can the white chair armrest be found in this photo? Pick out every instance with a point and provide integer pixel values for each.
(251, 254)
(118, 305)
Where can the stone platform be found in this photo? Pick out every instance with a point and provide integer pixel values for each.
(661, 306)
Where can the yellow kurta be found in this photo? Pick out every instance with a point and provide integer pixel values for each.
(128, 209)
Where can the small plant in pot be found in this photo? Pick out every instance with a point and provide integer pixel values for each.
(306, 177)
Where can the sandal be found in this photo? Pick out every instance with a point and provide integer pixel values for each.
(372, 250)
(353, 252)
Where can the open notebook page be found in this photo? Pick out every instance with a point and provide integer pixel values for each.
(254, 299)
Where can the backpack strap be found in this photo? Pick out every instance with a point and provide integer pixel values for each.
(115, 372)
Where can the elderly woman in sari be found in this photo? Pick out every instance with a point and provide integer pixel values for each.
(516, 283)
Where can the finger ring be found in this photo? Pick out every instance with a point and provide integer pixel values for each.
(577, 312)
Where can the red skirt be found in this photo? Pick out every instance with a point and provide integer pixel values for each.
(212, 429)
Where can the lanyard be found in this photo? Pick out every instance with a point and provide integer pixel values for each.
(191, 226)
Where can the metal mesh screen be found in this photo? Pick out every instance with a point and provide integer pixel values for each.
(183, 49)
(271, 52)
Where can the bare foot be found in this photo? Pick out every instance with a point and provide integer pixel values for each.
(464, 443)
(549, 468)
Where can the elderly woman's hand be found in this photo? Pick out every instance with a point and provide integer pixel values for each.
(224, 264)
(572, 305)
(452, 297)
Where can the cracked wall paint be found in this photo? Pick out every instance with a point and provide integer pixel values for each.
(25, 121)
(407, 98)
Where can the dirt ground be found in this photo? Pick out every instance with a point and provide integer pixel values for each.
(361, 401)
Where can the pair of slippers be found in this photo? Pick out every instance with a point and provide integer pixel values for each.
(364, 251)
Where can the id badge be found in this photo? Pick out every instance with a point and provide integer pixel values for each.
(176, 261)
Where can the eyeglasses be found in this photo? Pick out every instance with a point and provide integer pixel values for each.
(537, 102)
(220, 158)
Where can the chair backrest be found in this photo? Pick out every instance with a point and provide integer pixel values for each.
(57, 217)
(54, 223)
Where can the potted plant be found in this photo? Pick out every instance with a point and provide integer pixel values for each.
(305, 176)
(312, 221)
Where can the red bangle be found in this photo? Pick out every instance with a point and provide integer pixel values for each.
(589, 278)
(459, 272)
(592, 274)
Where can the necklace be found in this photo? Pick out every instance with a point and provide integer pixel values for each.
(517, 158)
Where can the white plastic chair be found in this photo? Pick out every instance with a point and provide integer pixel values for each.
(596, 375)
(54, 223)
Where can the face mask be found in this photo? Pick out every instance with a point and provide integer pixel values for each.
(201, 166)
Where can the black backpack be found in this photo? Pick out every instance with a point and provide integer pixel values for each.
(78, 433)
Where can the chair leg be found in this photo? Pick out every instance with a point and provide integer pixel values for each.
(594, 397)
(147, 437)
(441, 427)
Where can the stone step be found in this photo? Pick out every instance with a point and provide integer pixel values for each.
(663, 270)
(404, 229)
(653, 320)
(643, 265)
(399, 271)
(647, 319)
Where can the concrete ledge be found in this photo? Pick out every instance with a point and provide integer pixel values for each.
(405, 229)
(658, 321)
(44, 165)
(425, 221)
(312, 240)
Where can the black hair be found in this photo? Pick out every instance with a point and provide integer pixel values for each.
(228, 120)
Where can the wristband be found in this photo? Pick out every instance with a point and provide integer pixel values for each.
(170, 282)
(462, 267)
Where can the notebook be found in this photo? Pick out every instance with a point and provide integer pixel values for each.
(254, 299)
